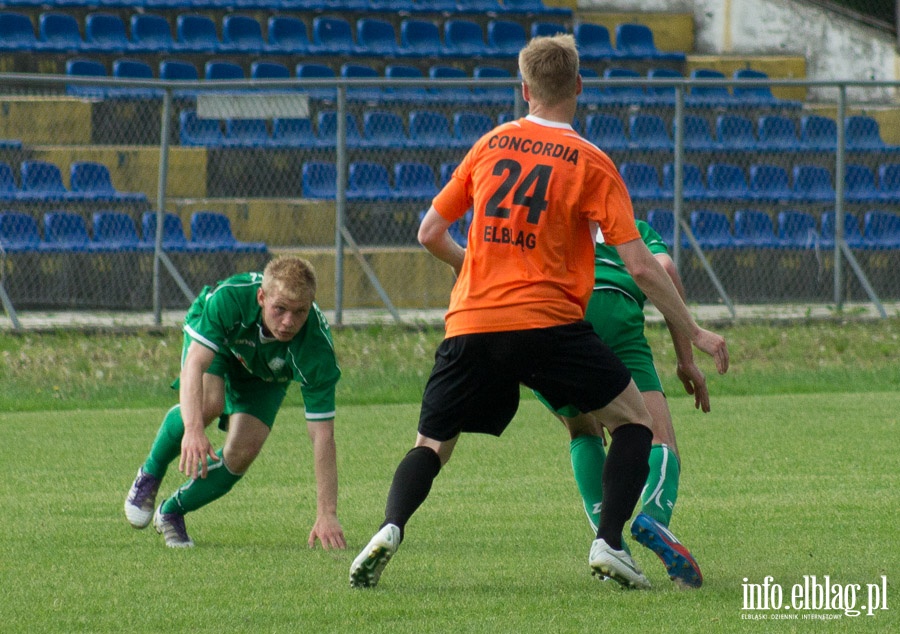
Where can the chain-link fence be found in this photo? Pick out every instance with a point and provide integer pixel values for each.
(134, 193)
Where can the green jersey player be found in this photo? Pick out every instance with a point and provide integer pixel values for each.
(616, 312)
(245, 340)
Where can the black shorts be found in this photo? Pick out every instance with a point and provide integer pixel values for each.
(474, 385)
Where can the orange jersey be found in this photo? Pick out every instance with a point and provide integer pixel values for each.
(538, 191)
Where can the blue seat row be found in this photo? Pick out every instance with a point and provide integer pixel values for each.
(421, 130)
(115, 231)
(791, 229)
(807, 184)
(370, 181)
(41, 181)
(737, 133)
(411, 6)
(243, 34)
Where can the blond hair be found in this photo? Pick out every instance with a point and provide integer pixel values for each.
(549, 65)
(291, 276)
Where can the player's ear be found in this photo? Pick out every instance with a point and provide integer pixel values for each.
(260, 297)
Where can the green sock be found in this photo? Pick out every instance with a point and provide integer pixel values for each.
(167, 445)
(588, 456)
(194, 494)
(661, 491)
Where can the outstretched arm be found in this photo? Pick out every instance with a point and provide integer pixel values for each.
(327, 528)
(659, 288)
(689, 374)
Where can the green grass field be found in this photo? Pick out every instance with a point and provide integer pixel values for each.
(779, 480)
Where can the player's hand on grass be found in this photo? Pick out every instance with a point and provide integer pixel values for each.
(694, 382)
(328, 531)
(195, 449)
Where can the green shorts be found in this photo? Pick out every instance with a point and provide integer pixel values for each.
(244, 393)
(619, 322)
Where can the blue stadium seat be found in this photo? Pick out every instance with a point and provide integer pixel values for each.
(420, 38)
(384, 129)
(116, 231)
(853, 235)
(797, 230)
(127, 68)
(465, 38)
(220, 70)
(862, 133)
(777, 132)
(450, 94)
(79, 67)
(468, 127)
(243, 34)
(429, 129)
(606, 131)
(593, 42)
(495, 95)
(359, 70)
(446, 172)
(628, 94)
(197, 34)
(709, 96)
(334, 36)
(369, 181)
(67, 230)
(42, 181)
(754, 228)
(881, 229)
(818, 133)
(59, 32)
(591, 95)
(415, 93)
(727, 182)
(636, 41)
(735, 132)
(663, 222)
(19, 233)
(17, 33)
(712, 229)
(543, 28)
(648, 132)
(414, 181)
(247, 132)
(305, 70)
(377, 37)
(889, 182)
(194, 131)
(506, 37)
(288, 34)
(757, 95)
(151, 33)
(173, 236)
(770, 183)
(9, 190)
(534, 7)
(693, 186)
(178, 70)
(92, 181)
(859, 184)
(212, 230)
(812, 184)
(106, 32)
(662, 95)
(478, 6)
(269, 70)
(642, 181)
(326, 129)
(297, 133)
(697, 135)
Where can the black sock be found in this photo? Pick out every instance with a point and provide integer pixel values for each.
(411, 485)
(624, 475)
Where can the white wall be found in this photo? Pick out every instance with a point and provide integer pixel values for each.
(834, 47)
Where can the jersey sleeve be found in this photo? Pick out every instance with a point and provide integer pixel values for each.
(652, 239)
(610, 205)
(456, 196)
(208, 319)
(316, 369)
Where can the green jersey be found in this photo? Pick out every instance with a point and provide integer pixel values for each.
(610, 272)
(227, 319)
